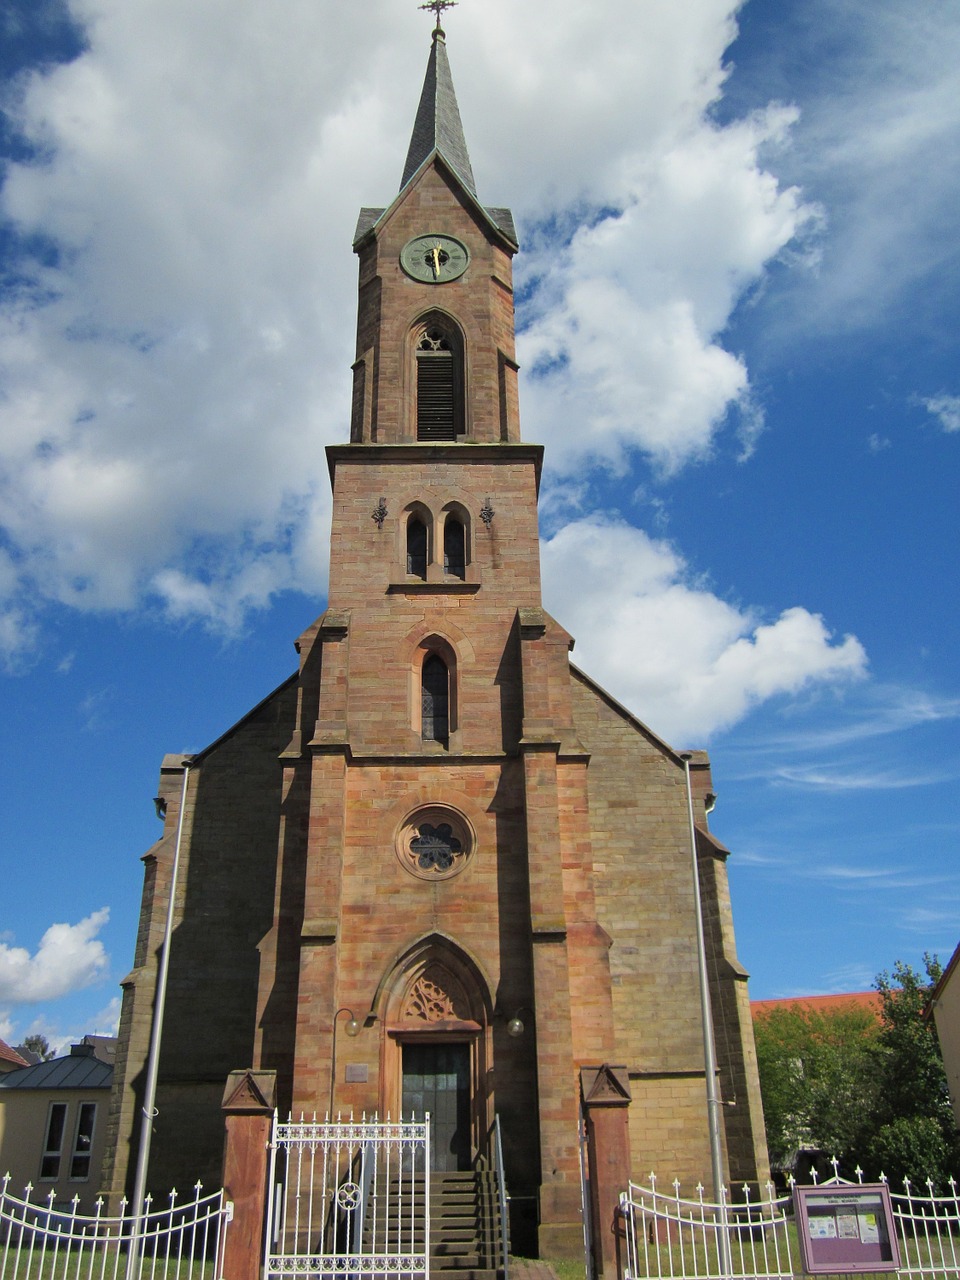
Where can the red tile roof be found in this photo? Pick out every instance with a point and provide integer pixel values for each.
(10, 1055)
(869, 1000)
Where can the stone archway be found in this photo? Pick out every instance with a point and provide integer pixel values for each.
(436, 1011)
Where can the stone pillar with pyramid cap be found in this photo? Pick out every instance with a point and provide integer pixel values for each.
(249, 1101)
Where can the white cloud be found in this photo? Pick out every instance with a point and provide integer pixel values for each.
(179, 361)
(623, 351)
(835, 778)
(683, 660)
(106, 1021)
(69, 958)
(946, 409)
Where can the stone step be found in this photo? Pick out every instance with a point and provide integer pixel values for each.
(466, 1273)
(464, 1220)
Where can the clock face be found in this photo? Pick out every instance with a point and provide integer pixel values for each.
(434, 259)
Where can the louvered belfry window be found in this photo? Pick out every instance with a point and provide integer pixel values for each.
(438, 386)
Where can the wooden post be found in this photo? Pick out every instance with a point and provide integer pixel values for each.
(249, 1100)
(606, 1099)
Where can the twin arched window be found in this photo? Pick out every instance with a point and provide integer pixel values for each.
(416, 547)
(454, 547)
(454, 536)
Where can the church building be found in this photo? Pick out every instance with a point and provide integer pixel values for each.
(440, 868)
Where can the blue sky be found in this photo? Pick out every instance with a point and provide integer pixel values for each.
(737, 313)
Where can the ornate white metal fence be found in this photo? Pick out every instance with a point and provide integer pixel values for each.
(349, 1198)
(673, 1238)
(751, 1237)
(928, 1226)
(43, 1240)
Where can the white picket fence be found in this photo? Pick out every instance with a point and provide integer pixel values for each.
(751, 1237)
(349, 1198)
(43, 1240)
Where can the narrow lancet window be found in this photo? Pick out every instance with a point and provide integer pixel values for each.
(454, 548)
(417, 548)
(435, 700)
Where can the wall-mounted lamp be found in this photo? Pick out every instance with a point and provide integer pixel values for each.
(380, 512)
(516, 1025)
(160, 804)
(352, 1028)
(487, 513)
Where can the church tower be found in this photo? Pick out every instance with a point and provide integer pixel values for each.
(439, 868)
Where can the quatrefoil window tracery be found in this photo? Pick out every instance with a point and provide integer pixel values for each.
(435, 846)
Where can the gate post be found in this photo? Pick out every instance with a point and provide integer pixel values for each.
(606, 1098)
(249, 1100)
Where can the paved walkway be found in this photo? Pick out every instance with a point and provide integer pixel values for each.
(531, 1269)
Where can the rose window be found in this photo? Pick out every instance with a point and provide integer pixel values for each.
(435, 842)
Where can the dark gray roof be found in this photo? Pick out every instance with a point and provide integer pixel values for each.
(501, 218)
(104, 1048)
(437, 126)
(368, 218)
(76, 1071)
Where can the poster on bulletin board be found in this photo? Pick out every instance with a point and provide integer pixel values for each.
(844, 1228)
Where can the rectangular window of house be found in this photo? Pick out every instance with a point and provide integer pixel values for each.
(53, 1143)
(83, 1143)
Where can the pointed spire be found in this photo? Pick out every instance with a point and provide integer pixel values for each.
(437, 126)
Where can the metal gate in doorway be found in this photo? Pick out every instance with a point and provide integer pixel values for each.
(349, 1197)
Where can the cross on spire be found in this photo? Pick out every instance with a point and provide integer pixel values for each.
(438, 6)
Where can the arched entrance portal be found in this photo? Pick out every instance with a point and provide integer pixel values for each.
(436, 1014)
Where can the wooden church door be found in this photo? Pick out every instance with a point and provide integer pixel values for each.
(436, 1078)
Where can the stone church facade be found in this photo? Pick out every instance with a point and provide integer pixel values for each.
(439, 851)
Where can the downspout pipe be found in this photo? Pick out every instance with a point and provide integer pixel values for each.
(706, 1013)
(149, 1111)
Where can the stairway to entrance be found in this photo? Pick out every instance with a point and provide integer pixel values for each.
(465, 1228)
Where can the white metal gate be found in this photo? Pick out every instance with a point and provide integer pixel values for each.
(349, 1198)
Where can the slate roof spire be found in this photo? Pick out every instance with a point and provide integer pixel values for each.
(437, 126)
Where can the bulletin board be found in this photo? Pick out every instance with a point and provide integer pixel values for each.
(846, 1228)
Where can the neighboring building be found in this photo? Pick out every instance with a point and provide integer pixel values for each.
(867, 1000)
(53, 1125)
(10, 1059)
(945, 1006)
(437, 824)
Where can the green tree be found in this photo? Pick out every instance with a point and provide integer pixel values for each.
(914, 1134)
(39, 1045)
(816, 1079)
(867, 1088)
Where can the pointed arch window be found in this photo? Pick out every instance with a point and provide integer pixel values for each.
(435, 700)
(439, 357)
(416, 547)
(454, 547)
